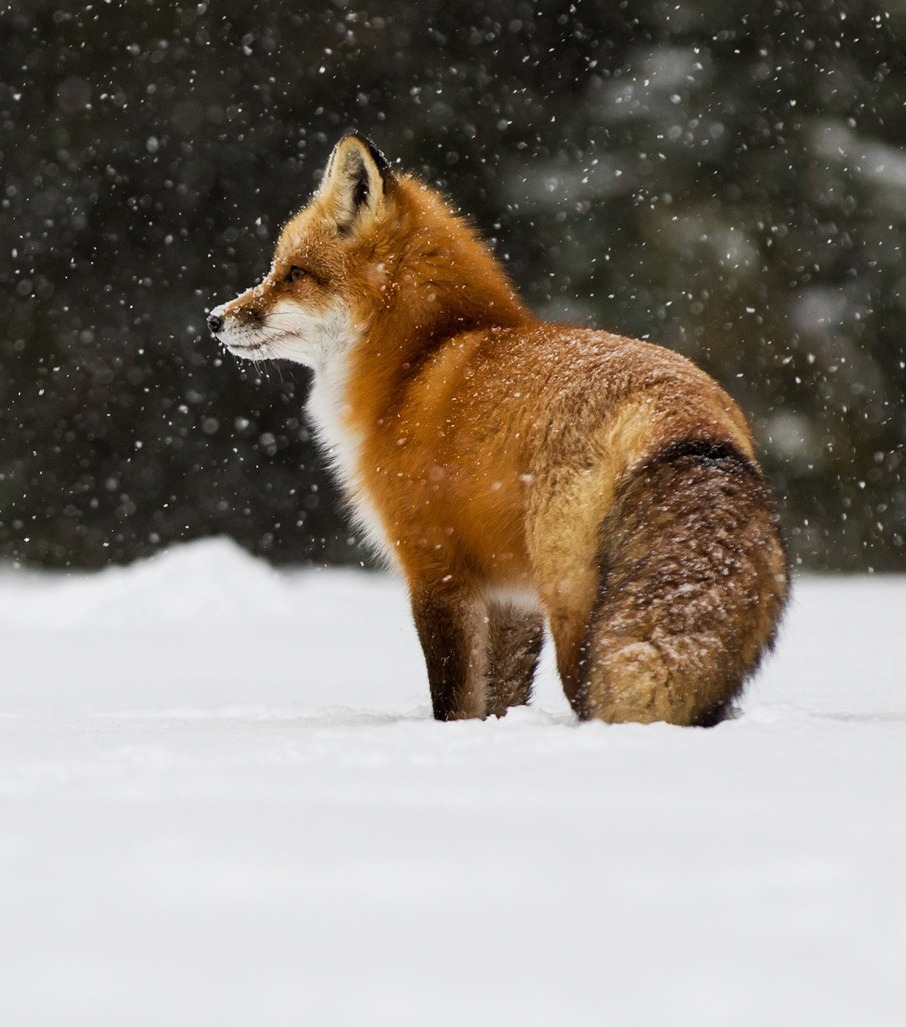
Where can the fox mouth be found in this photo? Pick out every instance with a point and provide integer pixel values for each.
(248, 347)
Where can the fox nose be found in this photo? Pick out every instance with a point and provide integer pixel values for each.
(215, 322)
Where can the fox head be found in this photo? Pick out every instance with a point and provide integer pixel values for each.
(374, 256)
(327, 276)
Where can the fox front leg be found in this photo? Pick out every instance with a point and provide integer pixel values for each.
(515, 638)
(452, 628)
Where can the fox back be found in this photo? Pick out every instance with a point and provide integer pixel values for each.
(519, 472)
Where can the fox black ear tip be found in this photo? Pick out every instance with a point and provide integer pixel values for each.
(379, 159)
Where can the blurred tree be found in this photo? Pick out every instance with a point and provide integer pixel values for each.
(731, 183)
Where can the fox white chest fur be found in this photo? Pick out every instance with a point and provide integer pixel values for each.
(325, 341)
(519, 472)
(341, 442)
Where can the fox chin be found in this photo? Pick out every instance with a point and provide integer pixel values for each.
(517, 472)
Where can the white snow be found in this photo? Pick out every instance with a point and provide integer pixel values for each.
(223, 801)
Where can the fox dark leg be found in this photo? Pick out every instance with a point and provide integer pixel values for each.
(693, 582)
(453, 631)
(514, 645)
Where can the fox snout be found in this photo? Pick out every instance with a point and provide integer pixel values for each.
(232, 324)
(284, 328)
(239, 329)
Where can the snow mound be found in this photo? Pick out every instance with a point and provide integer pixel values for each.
(223, 800)
(210, 578)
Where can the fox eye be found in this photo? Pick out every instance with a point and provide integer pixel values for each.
(295, 273)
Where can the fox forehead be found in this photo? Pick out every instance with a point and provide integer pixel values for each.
(298, 236)
(309, 238)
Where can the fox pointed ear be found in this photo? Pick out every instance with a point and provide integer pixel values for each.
(356, 179)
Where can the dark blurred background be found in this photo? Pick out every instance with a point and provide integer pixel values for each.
(727, 179)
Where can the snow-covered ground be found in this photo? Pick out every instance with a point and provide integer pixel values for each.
(223, 801)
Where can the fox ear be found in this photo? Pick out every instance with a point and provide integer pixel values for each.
(356, 179)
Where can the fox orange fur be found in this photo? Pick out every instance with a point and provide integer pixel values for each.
(518, 471)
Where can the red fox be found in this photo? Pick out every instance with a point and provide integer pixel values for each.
(517, 471)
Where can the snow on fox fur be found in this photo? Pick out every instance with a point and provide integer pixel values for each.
(518, 471)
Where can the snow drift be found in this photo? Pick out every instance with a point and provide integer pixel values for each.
(223, 800)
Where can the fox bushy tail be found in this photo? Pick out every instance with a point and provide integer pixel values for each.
(693, 581)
